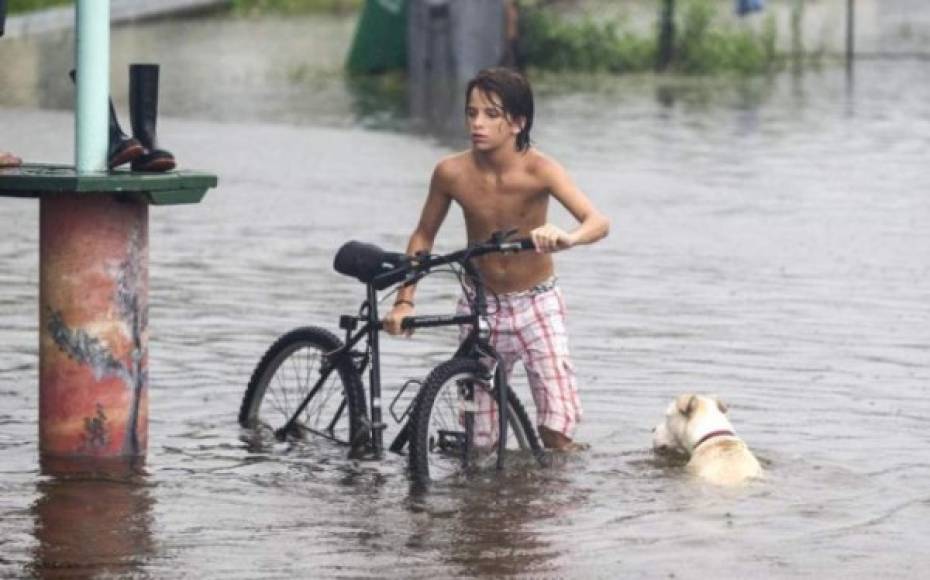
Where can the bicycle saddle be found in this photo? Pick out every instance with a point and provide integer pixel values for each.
(366, 262)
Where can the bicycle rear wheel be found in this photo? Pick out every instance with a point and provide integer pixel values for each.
(454, 424)
(288, 372)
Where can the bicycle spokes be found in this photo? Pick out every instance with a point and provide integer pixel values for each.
(455, 426)
(299, 389)
(311, 412)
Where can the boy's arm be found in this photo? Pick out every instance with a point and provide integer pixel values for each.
(592, 224)
(432, 215)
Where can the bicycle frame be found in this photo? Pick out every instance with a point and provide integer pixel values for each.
(474, 345)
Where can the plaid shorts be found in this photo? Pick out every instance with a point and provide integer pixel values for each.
(529, 325)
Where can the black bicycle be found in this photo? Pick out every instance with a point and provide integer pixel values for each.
(309, 382)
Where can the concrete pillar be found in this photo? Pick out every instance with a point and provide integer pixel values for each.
(448, 41)
(454, 39)
(93, 327)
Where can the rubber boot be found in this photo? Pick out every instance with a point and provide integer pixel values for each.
(122, 148)
(143, 111)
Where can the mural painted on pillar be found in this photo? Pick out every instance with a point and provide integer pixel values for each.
(99, 320)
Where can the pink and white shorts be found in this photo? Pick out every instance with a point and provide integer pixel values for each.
(529, 325)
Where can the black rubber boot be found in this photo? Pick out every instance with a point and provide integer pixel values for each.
(122, 148)
(143, 111)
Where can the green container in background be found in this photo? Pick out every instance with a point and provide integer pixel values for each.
(380, 42)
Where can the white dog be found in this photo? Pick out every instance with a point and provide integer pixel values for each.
(697, 426)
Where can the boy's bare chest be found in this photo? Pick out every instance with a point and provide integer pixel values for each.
(509, 198)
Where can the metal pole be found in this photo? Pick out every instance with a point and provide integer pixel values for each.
(92, 61)
(797, 32)
(850, 32)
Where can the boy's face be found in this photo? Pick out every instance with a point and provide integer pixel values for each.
(488, 125)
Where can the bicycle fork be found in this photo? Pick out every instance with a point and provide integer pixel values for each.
(503, 409)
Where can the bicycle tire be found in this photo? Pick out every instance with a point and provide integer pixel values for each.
(431, 458)
(272, 396)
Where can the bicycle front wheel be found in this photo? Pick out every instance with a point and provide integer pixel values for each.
(295, 367)
(455, 423)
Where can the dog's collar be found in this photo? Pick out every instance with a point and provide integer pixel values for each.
(712, 434)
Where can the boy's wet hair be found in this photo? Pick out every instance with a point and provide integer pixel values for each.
(514, 93)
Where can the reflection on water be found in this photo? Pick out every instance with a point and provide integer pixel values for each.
(488, 528)
(768, 245)
(92, 525)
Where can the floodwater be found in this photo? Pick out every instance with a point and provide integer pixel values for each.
(769, 245)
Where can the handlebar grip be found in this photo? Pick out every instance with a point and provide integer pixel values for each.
(517, 245)
(405, 323)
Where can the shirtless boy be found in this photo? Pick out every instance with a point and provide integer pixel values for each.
(501, 183)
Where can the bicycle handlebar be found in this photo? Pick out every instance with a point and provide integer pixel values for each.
(418, 266)
(475, 251)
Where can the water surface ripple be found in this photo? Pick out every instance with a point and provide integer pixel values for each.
(769, 244)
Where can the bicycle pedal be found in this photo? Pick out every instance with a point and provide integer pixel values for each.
(378, 426)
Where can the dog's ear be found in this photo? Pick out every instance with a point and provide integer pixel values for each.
(722, 406)
(687, 404)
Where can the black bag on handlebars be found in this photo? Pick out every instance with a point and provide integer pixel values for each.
(365, 262)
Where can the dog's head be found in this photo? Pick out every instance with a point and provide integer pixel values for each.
(688, 418)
